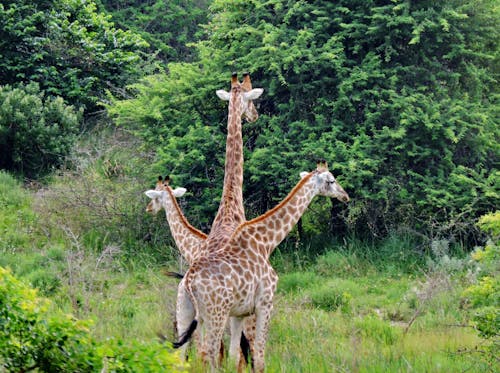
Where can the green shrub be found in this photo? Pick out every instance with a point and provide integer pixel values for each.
(68, 48)
(36, 132)
(484, 296)
(34, 338)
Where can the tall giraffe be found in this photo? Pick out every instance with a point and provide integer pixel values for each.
(237, 280)
(231, 212)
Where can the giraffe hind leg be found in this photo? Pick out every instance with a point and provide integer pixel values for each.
(214, 330)
(185, 317)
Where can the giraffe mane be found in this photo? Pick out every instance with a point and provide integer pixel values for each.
(277, 207)
(183, 218)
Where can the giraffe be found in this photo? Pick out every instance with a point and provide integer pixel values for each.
(237, 280)
(231, 212)
(186, 237)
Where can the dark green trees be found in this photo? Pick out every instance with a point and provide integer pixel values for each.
(56, 55)
(68, 48)
(167, 25)
(399, 96)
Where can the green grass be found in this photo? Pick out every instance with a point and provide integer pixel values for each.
(347, 307)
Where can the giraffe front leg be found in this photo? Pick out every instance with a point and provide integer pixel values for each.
(263, 317)
(236, 326)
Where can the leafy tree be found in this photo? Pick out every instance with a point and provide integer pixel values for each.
(168, 26)
(36, 131)
(399, 96)
(69, 48)
(192, 146)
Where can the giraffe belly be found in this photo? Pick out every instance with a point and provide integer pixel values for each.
(244, 302)
(242, 310)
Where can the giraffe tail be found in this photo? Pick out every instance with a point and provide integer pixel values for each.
(177, 275)
(186, 336)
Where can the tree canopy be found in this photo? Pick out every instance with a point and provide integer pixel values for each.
(68, 48)
(57, 60)
(169, 26)
(399, 96)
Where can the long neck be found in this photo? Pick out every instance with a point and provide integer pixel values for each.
(267, 231)
(187, 238)
(231, 212)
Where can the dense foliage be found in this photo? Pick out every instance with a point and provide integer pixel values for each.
(168, 26)
(32, 337)
(36, 131)
(399, 96)
(67, 47)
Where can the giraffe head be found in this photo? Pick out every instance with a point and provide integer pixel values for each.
(325, 183)
(242, 95)
(160, 194)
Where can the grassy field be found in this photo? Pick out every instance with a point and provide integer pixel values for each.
(345, 306)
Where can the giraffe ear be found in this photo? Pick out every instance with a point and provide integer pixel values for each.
(303, 174)
(223, 95)
(179, 192)
(253, 94)
(153, 194)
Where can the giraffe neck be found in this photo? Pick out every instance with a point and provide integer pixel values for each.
(271, 228)
(186, 237)
(231, 212)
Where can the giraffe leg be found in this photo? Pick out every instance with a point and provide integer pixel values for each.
(249, 332)
(184, 314)
(214, 330)
(263, 317)
(236, 325)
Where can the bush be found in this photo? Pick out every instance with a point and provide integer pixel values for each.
(484, 296)
(68, 48)
(36, 132)
(33, 338)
